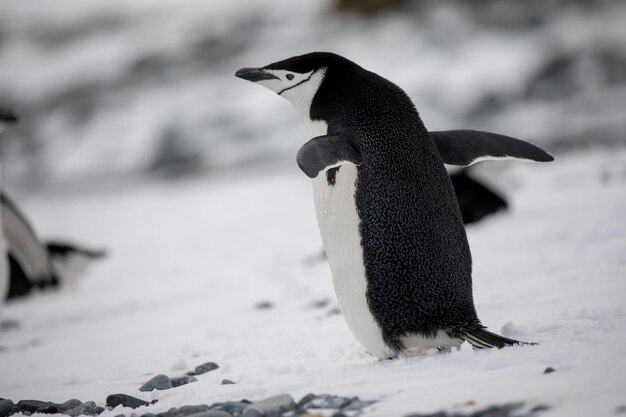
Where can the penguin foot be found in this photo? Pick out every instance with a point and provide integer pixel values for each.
(484, 339)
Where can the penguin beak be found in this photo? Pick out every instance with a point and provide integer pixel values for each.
(254, 74)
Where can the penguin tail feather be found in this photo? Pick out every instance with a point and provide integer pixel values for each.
(484, 339)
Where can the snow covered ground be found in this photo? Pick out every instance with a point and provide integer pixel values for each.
(190, 260)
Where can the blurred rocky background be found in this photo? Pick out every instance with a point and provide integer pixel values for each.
(138, 89)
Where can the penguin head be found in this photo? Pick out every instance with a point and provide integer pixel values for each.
(297, 78)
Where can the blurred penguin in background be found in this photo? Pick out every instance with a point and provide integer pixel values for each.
(26, 262)
(7, 118)
(476, 199)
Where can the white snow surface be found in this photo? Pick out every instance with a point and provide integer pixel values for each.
(190, 260)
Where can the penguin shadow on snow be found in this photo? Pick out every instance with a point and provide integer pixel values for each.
(386, 206)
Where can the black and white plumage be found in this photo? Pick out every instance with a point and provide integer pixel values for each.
(30, 264)
(8, 117)
(387, 212)
(33, 263)
(26, 262)
(4, 265)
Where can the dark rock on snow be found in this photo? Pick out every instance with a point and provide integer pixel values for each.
(124, 400)
(323, 401)
(188, 410)
(183, 380)
(227, 382)
(212, 413)
(159, 382)
(327, 401)
(33, 405)
(69, 404)
(549, 370)
(270, 406)
(264, 305)
(49, 409)
(5, 407)
(71, 407)
(88, 408)
(232, 407)
(203, 369)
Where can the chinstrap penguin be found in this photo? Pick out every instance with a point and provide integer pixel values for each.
(33, 263)
(27, 262)
(389, 220)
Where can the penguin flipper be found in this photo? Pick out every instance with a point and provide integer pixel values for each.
(483, 338)
(466, 147)
(67, 249)
(326, 151)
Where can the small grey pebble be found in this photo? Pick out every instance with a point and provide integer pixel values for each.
(212, 413)
(305, 400)
(183, 380)
(227, 382)
(168, 414)
(357, 404)
(324, 401)
(270, 406)
(114, 400)
(50, 409)
(187, 410)
(203, 369)
(89, 408)
(69, 404)
(549, 370)
(33, 405)
(538, 408)
(158, 382)
(503, 410)
(264, 305)
(321, 303)
(233, 407)
(6, 406)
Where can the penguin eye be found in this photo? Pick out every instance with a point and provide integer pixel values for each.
(289, 77)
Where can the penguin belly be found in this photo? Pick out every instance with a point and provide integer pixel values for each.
(339, 225)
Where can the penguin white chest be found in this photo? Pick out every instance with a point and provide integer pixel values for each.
(339, 225)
